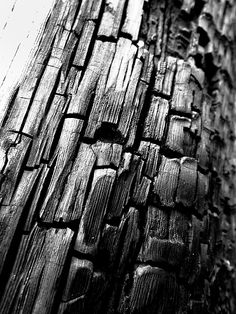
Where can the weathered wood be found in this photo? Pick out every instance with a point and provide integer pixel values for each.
(22, 200)
(75, 190)
(122, 129)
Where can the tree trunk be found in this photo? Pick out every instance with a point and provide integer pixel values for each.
(118, 162)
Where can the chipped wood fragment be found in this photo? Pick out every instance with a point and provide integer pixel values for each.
(178, 226)
(111, 18)
(41, 101)
(206, 111)
(96, 294)
(191, 265)
(154, 291)
(73, 196)
(108, 154)
(165, 183)
(141, 187)
(108, 246)
(42, 143)
(139, 102)
(165, 237)
(73, 306)
(202, 193)
(155, 122)
(68, 53)
(196, 94)
(12, 165)
(133, 18)
(156, 228)
(60, 48)
(147, 67)
(61, 166)
(122, 80)
(113, 88)
(122, 187)
(129, 106)
(150, 153)
(83, 44)
(89, 10)
(187, 183)
(78, 280)
(101, 57)
(165, 76)
(181, 100)
(94, 211)
(129, 239)
(17, 113)
(178, 134)
(203, 152)
(68, 84)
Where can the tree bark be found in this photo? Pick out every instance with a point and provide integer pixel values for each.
(117, 148)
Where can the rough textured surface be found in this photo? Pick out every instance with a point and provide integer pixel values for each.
(117, 162)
